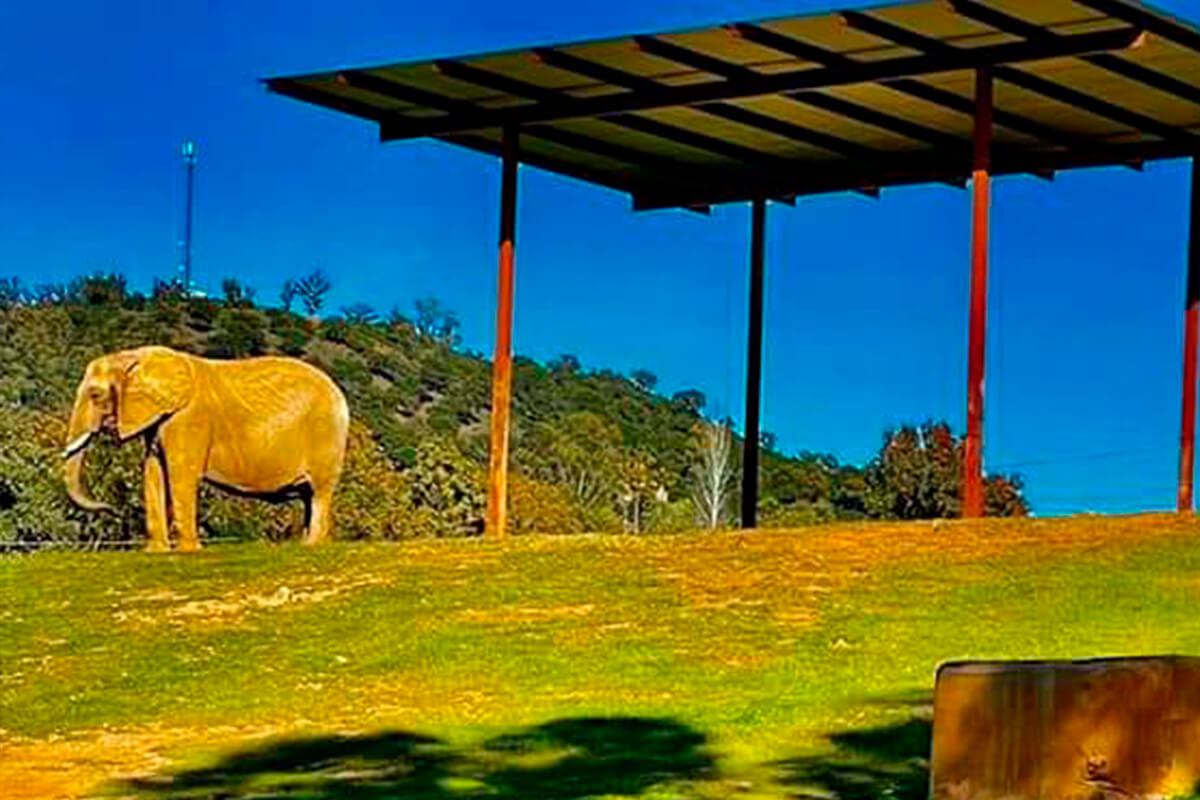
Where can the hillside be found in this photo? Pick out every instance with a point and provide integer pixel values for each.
(593, 450)
(762, 665)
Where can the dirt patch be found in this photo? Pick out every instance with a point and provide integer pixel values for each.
(524, 615)
(169, 607)
(77, 765)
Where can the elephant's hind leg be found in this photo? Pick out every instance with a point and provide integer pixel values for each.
(320, 514)
(154, 492)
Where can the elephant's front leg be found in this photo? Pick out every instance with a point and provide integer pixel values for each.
(154, 492)
(184, 466)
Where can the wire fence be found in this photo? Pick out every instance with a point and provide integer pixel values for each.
(28, 547)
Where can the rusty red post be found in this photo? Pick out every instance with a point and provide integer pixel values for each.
(754, 346)
(973, 501)
(497, 510)
(1191, 321)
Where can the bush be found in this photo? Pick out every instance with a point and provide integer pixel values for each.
(676, 516)
(535, 507)
(447, 491)
(34, 506)
(373, 501)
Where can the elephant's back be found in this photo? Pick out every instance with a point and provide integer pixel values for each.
(283, 389)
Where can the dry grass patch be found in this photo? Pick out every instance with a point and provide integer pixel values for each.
(164, 606)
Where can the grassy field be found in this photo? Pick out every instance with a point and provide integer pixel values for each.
(756, 665)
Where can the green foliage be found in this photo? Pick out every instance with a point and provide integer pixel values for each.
(918, 475)
(238, 332)
(237, 294)
(447, 491)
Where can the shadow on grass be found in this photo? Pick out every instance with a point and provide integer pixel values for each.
(560, 760)
(890, 762)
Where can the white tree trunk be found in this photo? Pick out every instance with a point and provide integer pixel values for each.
(714, 474)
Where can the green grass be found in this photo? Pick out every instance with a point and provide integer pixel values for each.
(544, 667)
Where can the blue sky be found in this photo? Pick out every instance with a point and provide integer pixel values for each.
(866, 300)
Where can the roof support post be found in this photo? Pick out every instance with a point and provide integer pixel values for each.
(754, 346)
(1191, 323)
(497, 510)
(973, 501)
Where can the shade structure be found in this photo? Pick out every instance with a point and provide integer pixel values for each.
(853, 100)
(931, 91)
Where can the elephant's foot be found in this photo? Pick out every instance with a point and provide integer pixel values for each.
(156, 546)
(189, 545)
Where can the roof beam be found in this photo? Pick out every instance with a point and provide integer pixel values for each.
(1143, 18)
(1024, 80)
(966, 105)
(916, 170)
(299, 91)
(878, 119)
(565, 107)
(726, 111)
(645, 125)
(908, 86)
(789, 46)
(789, 130)
(590, 69)
(668, 169)
(1119, 66)
(572, 170)
(695, 60)
(576, 141)
(395, 90)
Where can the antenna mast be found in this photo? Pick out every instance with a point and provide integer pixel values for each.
(190, 152)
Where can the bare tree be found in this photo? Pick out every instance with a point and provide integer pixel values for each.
(713, 475)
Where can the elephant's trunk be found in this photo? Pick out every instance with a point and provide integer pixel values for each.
(79, 434)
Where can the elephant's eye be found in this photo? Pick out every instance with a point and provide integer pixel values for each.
(96, 393)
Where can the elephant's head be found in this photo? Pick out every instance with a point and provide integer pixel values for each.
(125, 393)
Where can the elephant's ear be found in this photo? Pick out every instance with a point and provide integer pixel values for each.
(157, 382)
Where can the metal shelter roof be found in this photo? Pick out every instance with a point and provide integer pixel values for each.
(846, 101)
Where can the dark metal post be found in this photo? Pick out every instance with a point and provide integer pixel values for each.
(973, 501)
(497, 511)
(1191, 321)
(754, 346)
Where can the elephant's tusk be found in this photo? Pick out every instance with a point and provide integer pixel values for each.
(77, 445)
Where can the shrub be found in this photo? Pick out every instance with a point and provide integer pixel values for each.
(447, 491)
(374, 501)
(536, 507)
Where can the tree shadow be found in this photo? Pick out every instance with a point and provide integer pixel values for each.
(564, 759)
(884, 763)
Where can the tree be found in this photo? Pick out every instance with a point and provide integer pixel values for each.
(287, 294)
(712, 475)
(237, 294)
(639, 487)
(50, 294)
(918, 475)
(312, 289)
(11, 293)
(692, 400)
(644, 379)
(99, 289)
(359, 314)
(435, 321)
(564, 366)
(580, 452)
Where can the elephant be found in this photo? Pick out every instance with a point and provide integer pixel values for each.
(266, 427)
